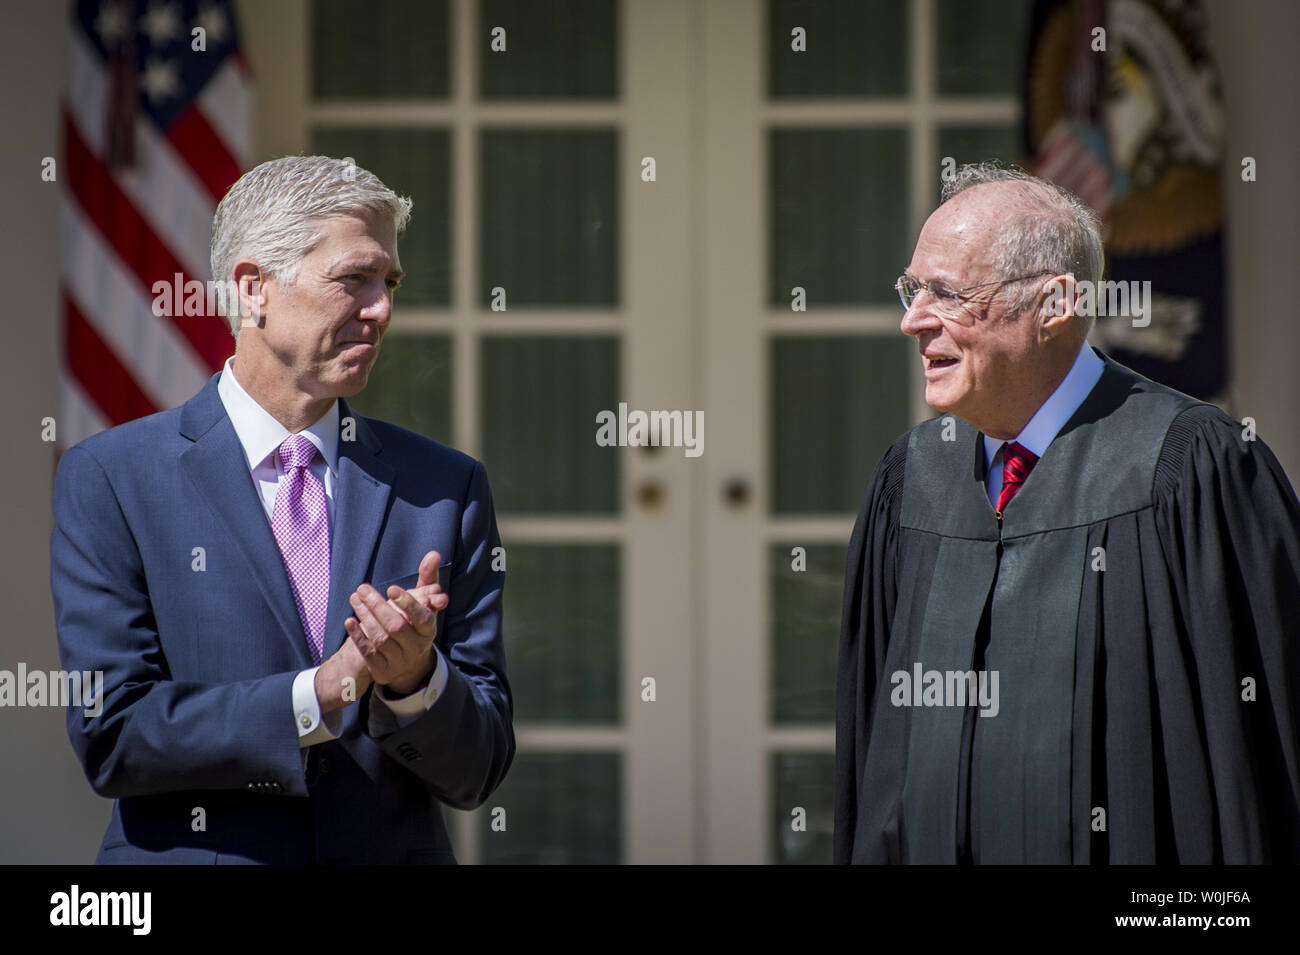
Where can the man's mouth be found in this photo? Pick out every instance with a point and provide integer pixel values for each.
(936, 361)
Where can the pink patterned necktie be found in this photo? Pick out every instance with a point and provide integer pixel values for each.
(1017, 462)
(301, 525)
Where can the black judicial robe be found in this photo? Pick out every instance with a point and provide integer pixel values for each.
(1147, 711)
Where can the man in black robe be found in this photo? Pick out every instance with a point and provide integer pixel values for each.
(1071, 626)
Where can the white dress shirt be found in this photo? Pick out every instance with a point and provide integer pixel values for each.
(260, 434)
(1049, 419)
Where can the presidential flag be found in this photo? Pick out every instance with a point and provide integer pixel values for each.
(1123, 108)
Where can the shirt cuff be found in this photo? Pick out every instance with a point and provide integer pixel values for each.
(313, 726)
(407, 709)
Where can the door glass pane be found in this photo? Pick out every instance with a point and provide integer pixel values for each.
(803, 781)
(805, 615)
(837, 214)
(540, 397)
(836, 404)
(560, 808)
(415, 163)
(391, 50)
(852, 48)
(411, 384)
(563, 641)
(980, 45)
(549, 216)
(558, 49)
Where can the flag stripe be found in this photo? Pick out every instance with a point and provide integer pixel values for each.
(162, 362)
(196, 140)
(160, 186)
(147, 257)
(92, 363)
(227, 104)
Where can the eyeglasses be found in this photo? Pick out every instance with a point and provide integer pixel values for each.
(948, 302)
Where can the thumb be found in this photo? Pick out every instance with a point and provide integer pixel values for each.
(429, 569)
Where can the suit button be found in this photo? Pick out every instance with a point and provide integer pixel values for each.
(276, 788)
(252, 787)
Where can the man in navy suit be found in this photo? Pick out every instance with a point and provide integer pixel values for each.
(262, 701)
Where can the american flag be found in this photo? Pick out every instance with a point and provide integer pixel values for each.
(157, 122)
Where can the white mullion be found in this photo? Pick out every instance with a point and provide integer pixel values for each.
(459, 118)
(812, 739)
(892, 112)
(924, 161)
(571, 738)
(849, 320)
(465, 229)
(437, 112)
(829, 529)
(566, 530)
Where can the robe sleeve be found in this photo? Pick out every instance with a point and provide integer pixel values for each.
(1229, 527)
(870, 589)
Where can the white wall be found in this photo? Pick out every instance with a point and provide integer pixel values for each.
(1255, 44)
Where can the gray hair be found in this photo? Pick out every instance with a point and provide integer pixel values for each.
(1057, 233)
(272, 216)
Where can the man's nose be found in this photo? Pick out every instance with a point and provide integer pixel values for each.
(380, 306)
(919, 318)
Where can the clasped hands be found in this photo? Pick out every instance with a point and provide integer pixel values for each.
(390, 642)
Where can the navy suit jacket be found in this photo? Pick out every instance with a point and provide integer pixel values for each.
(199, 649)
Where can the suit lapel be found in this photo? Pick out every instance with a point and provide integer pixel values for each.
(360, 503)
(218, 468)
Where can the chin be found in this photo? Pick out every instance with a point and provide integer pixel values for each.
(354, 385)
(939, 399)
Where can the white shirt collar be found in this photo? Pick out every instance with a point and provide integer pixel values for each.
(1050, 418)
(258, 431)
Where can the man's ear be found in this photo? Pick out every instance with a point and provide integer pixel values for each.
(252, 295)
(1060, 299)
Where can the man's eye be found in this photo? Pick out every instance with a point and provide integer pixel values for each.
(393, 285)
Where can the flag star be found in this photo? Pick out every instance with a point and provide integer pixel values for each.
(214, 23)
(111, 23)
(161, 23)
(160, 79)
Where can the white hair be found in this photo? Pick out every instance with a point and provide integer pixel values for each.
(272, 216)
(1055, 232)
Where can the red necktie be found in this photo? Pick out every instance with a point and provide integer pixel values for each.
(1017, 462)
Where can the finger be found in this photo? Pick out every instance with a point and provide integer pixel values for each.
(420, 616)
(431, 597)
(429, 569)
(376, 667)
(359, 639)
(389, 651)
(384, 612)
(404, 641)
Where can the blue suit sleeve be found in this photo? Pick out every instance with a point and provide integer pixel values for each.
(149, 733)
(463, 745)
